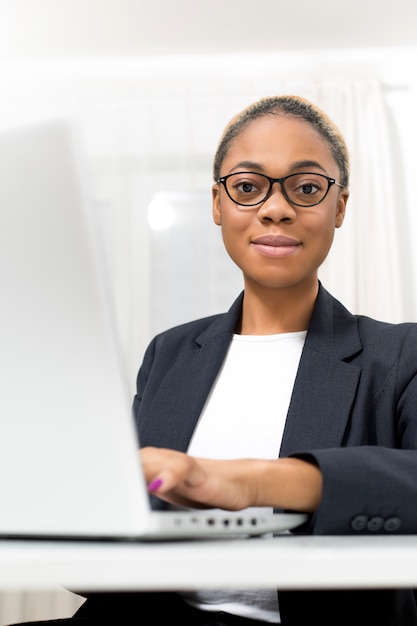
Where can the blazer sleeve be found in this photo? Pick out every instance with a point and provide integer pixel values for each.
(366, 490)
(372, 488)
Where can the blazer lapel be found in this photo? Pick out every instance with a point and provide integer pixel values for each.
(171, 424)
(325, 386)
(323, 394)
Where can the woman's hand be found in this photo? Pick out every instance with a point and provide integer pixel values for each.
(231, 484)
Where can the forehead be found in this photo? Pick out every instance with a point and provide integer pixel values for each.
(277, 142)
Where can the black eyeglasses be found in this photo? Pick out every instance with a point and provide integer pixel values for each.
(302, 189)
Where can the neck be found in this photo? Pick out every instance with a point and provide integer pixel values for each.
(273, 311)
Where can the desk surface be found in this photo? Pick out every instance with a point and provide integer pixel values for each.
(285, 562)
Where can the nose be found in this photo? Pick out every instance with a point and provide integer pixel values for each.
(276, 206)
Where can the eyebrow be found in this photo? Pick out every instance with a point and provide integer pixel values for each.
(297, 165)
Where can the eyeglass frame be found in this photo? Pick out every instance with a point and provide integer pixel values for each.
(330, 181)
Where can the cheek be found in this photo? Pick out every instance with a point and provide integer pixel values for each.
(321, 236)
(235, 233)
(235, 223)
(321, 225)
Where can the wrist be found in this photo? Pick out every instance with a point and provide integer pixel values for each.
(288, 483)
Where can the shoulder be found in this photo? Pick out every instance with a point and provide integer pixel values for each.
(374, 328)
(392, 342)
(332, 309)
(351, 334)
(187, 333)
(184, 347)
(201, 331)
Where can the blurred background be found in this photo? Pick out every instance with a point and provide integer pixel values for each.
(151, 87)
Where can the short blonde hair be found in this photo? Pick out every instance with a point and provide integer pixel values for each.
(291, 106)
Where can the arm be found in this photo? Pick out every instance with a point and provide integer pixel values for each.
(178, 478)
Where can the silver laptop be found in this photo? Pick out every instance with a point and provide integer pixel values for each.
(69, 466)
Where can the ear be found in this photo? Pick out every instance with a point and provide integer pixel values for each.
(341, 208)
(217, 213)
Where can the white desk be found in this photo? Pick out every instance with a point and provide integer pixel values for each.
(286, 562)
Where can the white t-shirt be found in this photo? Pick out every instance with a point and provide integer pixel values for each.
(244, 417)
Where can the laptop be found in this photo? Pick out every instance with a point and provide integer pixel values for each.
(69, 463)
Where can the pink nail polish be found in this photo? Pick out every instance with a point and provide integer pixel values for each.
(154, 484)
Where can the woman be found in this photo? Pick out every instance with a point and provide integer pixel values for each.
(287, 372)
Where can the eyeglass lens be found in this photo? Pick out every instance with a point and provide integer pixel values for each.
(303, 189)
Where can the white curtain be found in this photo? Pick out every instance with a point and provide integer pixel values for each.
(369, 267)
(148, 134)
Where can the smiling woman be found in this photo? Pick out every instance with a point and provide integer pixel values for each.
(285, 382)
(277, 218)
(287, 401)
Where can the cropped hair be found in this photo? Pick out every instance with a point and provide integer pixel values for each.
(291, 106)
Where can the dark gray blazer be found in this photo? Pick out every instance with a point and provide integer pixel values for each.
(353, 412)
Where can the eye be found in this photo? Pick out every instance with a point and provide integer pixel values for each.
(307, 188)
(306, 184)
(246, 185)
(247, 188)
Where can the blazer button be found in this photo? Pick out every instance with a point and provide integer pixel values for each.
(375, 523)
(359, 522)
(392, 523)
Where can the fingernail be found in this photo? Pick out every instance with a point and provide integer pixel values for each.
(154, 484)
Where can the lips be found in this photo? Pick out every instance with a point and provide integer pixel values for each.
(275, 240)
(275, 246)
